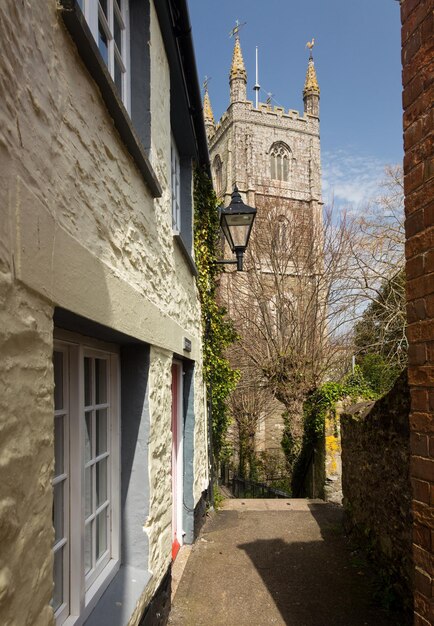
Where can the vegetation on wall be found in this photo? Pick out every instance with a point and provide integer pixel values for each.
(318, 405)
(218, 331)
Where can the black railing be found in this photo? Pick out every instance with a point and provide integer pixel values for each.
(243, 488)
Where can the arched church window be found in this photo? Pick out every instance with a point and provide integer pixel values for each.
(218, 174)
(280, 159)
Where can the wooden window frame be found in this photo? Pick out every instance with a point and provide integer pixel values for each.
(85, 591)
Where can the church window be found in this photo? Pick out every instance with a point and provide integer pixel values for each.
(280, 156)
(218, 174)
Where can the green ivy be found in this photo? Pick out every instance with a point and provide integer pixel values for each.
(218, 331)
(323, 400)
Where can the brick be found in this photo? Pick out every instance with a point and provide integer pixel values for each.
(428, 28)
(423, 558)
(420, 286)
(414, 133)
(429, 262)
(428, 171)
(410, 49)
(420, 199)
(418, 108)
(422, 582)
(430, 352)
(420, 621)
(415, 19)
(420, 331)
(419, 444)
(423, 514)
(407, 7)
(431, 401)
(419, 399)
(417, 355)
(421, 422)
(431, 446)
(413, 90)
(413, 179)
(422, 536)
(421, 604)
(422, 468)
(429, 306)
(415, 266)
(414, 223)
(421, 491)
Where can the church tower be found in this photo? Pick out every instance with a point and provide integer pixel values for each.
(272, 154)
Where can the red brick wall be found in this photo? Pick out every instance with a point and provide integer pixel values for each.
(418, 97)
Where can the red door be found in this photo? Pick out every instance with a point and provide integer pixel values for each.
(176, 476)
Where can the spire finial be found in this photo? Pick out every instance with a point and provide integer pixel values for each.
(235, 32)
(207, 110)
(237, 68)
(311, 83)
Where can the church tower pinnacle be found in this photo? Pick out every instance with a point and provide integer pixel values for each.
(311, 88)
(207, 112)
(238, 75)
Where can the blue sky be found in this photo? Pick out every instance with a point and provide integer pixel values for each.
(358, 63)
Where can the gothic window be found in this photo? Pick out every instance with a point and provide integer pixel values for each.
(280, 156)
(218, 174)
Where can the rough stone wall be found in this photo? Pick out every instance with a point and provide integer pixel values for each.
(418, 98)
(78, 229)
(376, 482)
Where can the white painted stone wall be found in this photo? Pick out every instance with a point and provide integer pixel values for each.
(78, 229)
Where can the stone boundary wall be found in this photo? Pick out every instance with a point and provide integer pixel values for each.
(418, 98)
(376, 483)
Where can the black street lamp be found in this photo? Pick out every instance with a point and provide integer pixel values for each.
(236, 221)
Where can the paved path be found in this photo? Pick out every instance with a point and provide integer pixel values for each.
(261, 562)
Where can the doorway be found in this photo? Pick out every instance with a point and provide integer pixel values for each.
(177, 459)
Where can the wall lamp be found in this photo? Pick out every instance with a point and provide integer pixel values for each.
(236, 221)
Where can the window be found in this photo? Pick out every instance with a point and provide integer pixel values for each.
(218, 174)
(280, 156)
(86, 482)
(176, 189)
(108, 21)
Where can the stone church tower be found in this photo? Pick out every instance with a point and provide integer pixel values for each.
(273, 155)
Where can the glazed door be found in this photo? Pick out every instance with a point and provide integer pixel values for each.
(177, 452)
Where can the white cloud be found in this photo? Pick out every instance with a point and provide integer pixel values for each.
(349, 180)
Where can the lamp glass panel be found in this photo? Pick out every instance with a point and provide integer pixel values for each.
(238, 226)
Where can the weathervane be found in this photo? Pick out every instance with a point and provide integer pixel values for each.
(205, 83)
(235, 31)
(310, 45)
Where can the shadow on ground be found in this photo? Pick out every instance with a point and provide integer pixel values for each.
(289, 567)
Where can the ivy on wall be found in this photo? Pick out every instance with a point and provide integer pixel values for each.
(218, 331)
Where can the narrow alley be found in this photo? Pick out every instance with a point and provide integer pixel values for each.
(261, 562)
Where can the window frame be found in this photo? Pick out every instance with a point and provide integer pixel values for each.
(280, 161)
(85, 593)
(175, 185)
(94, 15)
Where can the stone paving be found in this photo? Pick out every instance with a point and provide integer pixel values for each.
(277, 562)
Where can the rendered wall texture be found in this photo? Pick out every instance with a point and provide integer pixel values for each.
(418, 98)
(78, 229)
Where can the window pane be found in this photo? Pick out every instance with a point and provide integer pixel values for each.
(58, 380)
(102, 42)
(87, 491)
(101, 431)
(101, 533)
(103, 5)
(117, 31)
(87, 381)
(285, 168)
(101, 482)
(58, 512)
(58, 579)
(118, 76)
(88, 548)
(88, 436)
(58, 445)
(273, 166)
(100, 381)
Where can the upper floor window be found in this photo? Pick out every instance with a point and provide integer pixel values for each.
(280, 157)
(108, 22)
(176, 188)
(218, 174)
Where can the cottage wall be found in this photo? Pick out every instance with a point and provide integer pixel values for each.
(80, 230)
